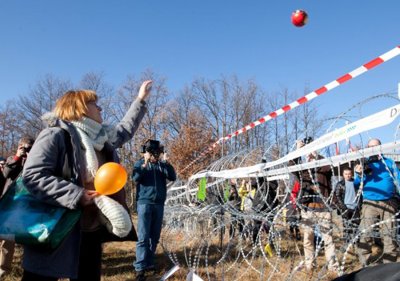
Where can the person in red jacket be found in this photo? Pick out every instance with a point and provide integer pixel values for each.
(293, 214)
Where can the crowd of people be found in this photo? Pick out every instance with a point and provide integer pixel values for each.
(366, 197)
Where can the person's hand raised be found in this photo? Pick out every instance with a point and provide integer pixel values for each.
(299, 144)
(21, 151)
(358, 169)
(146, 157)
(145, 89)
(164, 157)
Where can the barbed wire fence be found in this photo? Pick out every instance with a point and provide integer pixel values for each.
(195, 232)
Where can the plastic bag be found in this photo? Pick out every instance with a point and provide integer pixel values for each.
(29, 221)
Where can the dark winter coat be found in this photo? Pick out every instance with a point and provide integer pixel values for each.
(265, 197)
(2, 181)
(320, 177)
(340, 192)
(12, 169)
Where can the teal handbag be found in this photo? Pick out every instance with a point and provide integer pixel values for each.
(29, 221)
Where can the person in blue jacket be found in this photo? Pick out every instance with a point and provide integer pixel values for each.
(379, 180)
(150, 175)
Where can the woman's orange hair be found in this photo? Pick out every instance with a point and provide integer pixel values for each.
(72, 106)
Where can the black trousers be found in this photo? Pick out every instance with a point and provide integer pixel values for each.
(90, 257)
(351, 221)
(89, 261)
(257, 224)
(236, 223)
(29, 276)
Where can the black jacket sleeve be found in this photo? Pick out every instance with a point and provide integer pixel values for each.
(339, 194)
(13, 167)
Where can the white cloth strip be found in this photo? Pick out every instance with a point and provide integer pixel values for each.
(388, 148)
(370, 122)
(278, 177)
(259, 169)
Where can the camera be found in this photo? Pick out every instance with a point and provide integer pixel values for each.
(307, 140)
(26, 148)
(153, 147)
(367, 161)
(373, 158)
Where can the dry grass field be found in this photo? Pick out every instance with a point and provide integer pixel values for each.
(241, 262)
(118, 258)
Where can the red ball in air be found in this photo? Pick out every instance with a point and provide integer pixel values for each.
(299, 18)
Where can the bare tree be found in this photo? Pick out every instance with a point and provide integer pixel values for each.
(187, 124)
(228, 105)
(9, 131)
(39, 100)
(192, 140)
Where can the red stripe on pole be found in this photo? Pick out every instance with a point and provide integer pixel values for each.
(302, 100)
(286, 108)
(321, 90)
(344, 78)
(273, 114)
(252, 125)
(261, 120)
(373, 63)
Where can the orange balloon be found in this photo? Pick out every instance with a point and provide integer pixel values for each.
(110, 178)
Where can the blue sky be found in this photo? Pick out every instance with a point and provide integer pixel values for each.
(185, 39)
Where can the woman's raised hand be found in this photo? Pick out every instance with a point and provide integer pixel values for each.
(144, 90)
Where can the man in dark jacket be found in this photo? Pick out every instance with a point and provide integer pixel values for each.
(11, 170)
(150, 175)
(348, 204)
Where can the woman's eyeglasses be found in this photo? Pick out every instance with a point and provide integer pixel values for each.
(95, 104)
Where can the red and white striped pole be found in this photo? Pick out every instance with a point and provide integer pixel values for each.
(324, 89)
